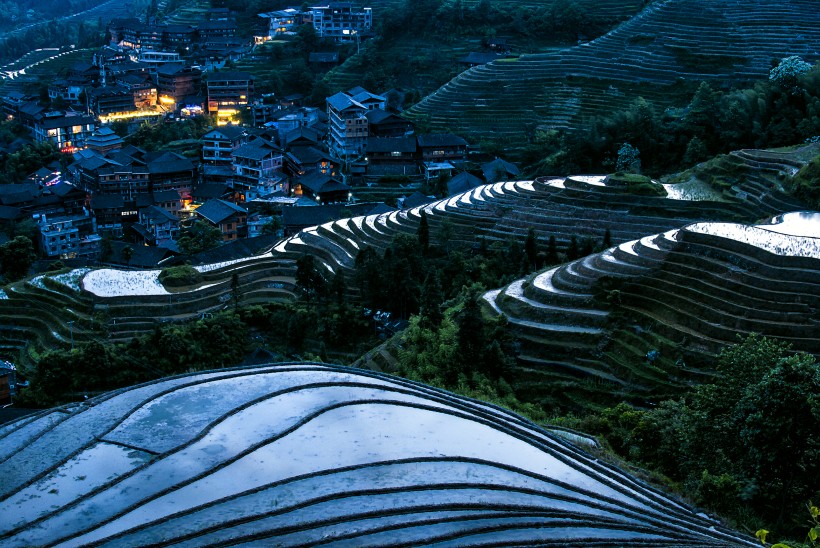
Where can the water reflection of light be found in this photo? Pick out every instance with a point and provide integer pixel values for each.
(796, 223)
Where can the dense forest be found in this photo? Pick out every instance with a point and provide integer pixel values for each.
(783, 110)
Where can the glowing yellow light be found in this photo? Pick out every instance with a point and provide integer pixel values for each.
(165, 100)
(127, 115)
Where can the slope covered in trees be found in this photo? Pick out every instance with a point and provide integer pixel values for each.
(670, 43)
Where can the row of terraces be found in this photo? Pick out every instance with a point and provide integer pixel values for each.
(307, 454)
(116, 305)
(684, 293)
(670, 40)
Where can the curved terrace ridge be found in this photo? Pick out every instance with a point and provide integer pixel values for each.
(303, 453)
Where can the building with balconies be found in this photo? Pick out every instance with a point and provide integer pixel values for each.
(341, 21)
(66, 131)
(228, 92)
(58, 237)
(219, 144)
(347, 126)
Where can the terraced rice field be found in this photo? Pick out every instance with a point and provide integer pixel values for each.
(45, 68)
(668, 42)
(687, 291)
(307, 454)
(116, 305)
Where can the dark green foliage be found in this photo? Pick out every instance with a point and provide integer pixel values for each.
(180, 276)
(308, 278)
(16, 257)
(710, 123)
(745, 443)
(432, 298)
(198, 237)
(423, 232)
(573, 251)
(17, 166)
(465, 353)
(806, 183)
(531, 250)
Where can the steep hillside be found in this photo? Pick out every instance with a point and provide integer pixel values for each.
(669, 42)
(117, 305)
(308, 454)
(639, 319)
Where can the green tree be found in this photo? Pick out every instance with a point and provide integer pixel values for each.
(308, 278)
(17, 257)
(786, 75)
(423, 232)
(531, 249)
(198, 237)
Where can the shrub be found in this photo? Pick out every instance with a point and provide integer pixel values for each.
(180, 276)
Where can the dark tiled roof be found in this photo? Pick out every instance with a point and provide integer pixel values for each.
(158, 214)
(417, 199)
(462, 183)
(391, 144)
(308, 155)
(166, 196)
(498, 169)
(107, 201)
(206, 191)
(440, 139)
(228, 76)
(254, 151)
(170, 163)
(318, 182)
(217, 210)
(477, 58)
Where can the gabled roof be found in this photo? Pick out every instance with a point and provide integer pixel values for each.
(405, 145)
(440, 140)
(107, 201)
(303, 134)
(342, 101)
(228, 76)
(170, 162)
(165, 196)
(366, 96)
(230, 132)
(216, 210)
(158, 214)
(377, 116)
(462, 183)
(417, 199)
(318, 182)
(18, 193)
(478, 58)
(381, 208)
(499, 169)
(141, 255)
(64, 189)
(254, 151)
(308, 155)
(210, 190)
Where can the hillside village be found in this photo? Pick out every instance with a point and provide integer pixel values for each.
(264, 156)
(554, 260)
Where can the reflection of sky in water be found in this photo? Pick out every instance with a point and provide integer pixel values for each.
(797, 234)
(597, 180)
(798, 223)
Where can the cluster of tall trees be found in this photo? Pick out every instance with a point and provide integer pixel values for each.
(780, 111)
(745, 445)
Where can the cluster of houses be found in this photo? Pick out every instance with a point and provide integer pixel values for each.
(289, 167)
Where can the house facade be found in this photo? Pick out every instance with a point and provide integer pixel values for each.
(342, 21)
(347, 126)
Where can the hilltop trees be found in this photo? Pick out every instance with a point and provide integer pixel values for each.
(787, 73)
(746, 441)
